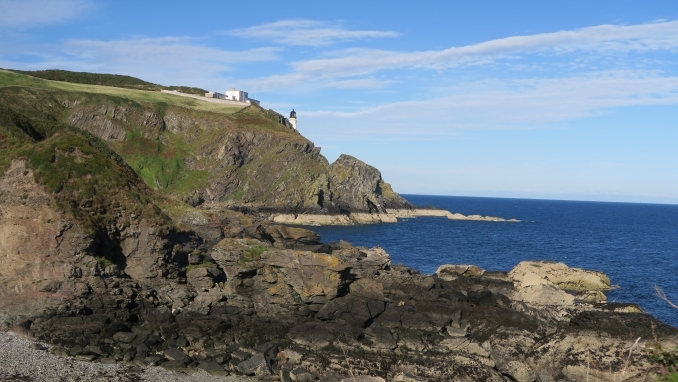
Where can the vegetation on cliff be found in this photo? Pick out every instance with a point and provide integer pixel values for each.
(196, 153)
(85, 177)
(116, 80)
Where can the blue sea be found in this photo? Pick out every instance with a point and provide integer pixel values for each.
(636, 245)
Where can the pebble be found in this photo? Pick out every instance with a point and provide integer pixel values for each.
(25, 360)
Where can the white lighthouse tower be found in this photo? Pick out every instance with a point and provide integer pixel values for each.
(293, 119)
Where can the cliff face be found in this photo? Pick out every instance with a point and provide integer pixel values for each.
(247, 157)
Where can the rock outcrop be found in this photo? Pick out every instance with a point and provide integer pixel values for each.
(385, 216)
(544, 282)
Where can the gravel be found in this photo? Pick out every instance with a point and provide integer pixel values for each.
(21, 360)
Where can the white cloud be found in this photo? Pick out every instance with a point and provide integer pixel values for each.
(167, 60)
(499, 104)
(602, 40)
(306, 32)
(364, 83)
(30, 13)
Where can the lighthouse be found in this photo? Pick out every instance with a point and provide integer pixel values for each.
(293, 119)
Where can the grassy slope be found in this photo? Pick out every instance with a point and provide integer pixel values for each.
(87, 179)
(8, 78)
(281, 169)
(116, 80)
(159, 159)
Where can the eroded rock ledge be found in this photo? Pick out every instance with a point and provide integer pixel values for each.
(390, 216)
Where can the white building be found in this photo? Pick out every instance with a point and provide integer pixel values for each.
(236, 95)
(215, 95)
(293, 119)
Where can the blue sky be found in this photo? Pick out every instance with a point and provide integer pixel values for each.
(576, 100)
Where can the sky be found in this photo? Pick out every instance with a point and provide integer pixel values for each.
(572, 100)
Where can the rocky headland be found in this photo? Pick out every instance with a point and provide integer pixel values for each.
(387, 216)
(107, 257)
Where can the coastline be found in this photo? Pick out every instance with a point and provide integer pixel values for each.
(390, 216)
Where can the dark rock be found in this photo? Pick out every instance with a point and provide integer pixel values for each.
(222, 358)
(362, 305)
(85, 357)
(212, 368)
(299, 374)
(154, 359)
(313, 334)
(143, 351)
(124, 337)
(255, 365)
(240, 356)
(173, 365)
(177, 355)
(38, 346)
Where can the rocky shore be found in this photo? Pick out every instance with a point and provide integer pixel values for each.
(24, 360)
(389, 216)
(231, 295)
(335, 311)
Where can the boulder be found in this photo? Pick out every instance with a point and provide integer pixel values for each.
(174, 354)
(299, 374)
(564, 277)
(255, 365)
(450, 272)
(362, 305)
(363, 378)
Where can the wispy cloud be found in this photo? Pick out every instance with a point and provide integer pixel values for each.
(363, 83)
(167, 60)
(500, 104)
(31, 13)
(597, 40)
(306, 32)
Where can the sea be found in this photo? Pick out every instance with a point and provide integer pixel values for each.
(635, 244)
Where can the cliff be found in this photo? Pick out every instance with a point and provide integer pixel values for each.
(243, 157)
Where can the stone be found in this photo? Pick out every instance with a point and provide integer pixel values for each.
(175, 366)
(299, 374)
(591, 296)
(124, 337)
(312, 334)
(213, 368)
(177, 355)
(564, 277)
(154, 359)
(362, 305)
(38, 346)
(544, 294)
(404, 377)
(289, 356)
(363, 378)
(518, 371)
(379, 338)
(255, 365)
(450, 272)
(85, 357)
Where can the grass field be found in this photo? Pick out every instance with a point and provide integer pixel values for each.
(8, 78)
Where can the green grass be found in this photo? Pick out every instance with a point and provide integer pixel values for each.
(104, 261)
(252, 254)
(191, 267)
(8, 78)
(84, 176)
(160, 166)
